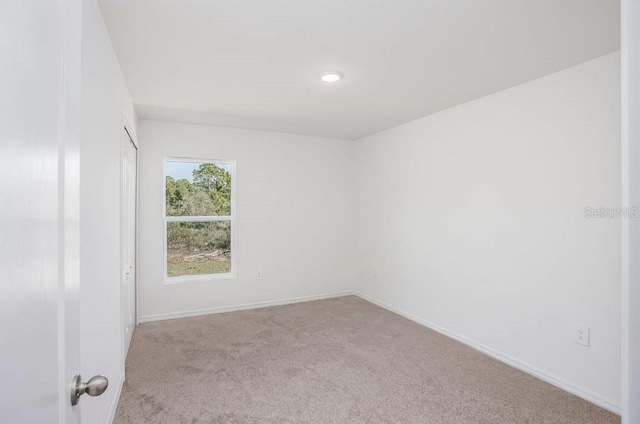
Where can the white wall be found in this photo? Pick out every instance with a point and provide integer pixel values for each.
(294, 209)
(104, 100)
(474, 220)
(631, 198)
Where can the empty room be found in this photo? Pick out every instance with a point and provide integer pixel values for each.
(292, 211)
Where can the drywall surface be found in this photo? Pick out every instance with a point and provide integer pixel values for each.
(631, 198)
(294, 207)
(105, 100)
(473, 220)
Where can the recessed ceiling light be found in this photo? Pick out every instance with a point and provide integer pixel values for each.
(332, 76)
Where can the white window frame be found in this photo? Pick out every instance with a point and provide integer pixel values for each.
(166, 219)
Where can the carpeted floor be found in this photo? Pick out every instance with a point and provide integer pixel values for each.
(341, 360)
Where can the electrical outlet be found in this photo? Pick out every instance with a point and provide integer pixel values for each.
(259, 275)
(581, 334)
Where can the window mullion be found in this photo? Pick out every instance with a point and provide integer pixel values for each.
(197, 218)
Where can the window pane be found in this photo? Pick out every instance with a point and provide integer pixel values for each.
(198, 248)
(197, 188)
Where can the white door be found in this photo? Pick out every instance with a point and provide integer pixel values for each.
(39, 105)
(128, 236)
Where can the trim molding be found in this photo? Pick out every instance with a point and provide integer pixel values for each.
(550, 378)
(116, 400)
(242, 307)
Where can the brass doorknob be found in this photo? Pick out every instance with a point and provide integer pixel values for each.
(96, 386)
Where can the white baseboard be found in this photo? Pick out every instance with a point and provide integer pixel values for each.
(242, 307)
(559, 382)
(116, 400)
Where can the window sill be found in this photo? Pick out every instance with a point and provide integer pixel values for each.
(188, 278)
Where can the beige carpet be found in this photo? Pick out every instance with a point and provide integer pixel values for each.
(332, 361)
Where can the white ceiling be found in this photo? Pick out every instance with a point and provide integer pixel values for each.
(255, 63)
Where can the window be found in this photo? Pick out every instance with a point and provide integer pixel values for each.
(198, 219)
